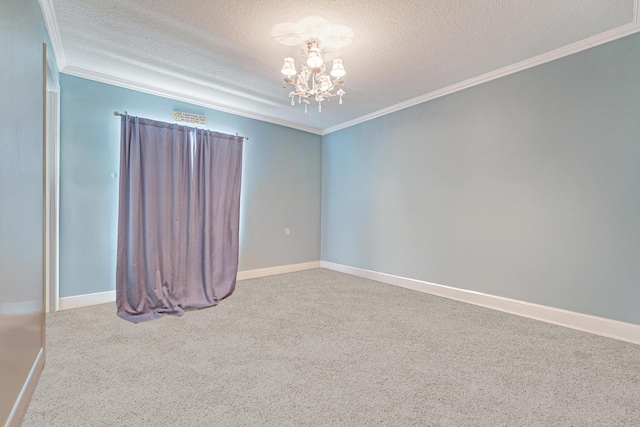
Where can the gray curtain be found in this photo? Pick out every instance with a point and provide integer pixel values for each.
(178, 218)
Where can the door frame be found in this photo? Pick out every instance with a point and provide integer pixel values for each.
(51, 173)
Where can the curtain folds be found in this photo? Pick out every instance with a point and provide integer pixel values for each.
(178, 219)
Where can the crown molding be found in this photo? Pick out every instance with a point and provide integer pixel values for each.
(51, 23)
(153, 90)
(608, 36)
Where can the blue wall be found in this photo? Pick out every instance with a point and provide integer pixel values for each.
(526, 187)
(281, 183)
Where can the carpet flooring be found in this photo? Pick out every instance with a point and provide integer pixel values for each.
(320, 348)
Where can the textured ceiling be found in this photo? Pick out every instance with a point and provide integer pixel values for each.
(225, 53)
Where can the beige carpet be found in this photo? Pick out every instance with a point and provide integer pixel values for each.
(320, 348)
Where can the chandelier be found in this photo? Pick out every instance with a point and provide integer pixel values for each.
(313, 82)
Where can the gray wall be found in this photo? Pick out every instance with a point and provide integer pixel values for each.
(525, 187)
(281, 183)
(22, 33)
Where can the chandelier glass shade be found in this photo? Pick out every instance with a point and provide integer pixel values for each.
(312, 81)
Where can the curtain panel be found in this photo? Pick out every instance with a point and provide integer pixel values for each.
(178, 218)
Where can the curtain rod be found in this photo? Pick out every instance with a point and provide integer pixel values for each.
(117, 113)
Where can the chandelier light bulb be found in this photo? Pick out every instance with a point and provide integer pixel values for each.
(315, 59)
(314, 55)
(288, 69)
(338, 68)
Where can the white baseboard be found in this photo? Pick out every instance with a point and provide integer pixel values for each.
(110, 296)
(77, 301)
(272, 271)
(583, 322)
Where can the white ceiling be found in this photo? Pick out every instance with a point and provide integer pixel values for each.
(224, 54)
